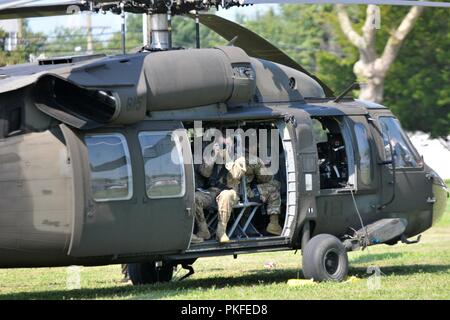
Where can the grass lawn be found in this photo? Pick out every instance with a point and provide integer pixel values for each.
(420, 271)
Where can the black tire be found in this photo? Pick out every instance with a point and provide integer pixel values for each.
(147, 273)
(325, 259)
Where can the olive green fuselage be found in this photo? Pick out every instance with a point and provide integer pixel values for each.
(49, 216)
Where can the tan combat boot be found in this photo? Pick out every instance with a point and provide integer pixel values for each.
(203, 231)
(274, 226)
(195, 239)
(221, 233)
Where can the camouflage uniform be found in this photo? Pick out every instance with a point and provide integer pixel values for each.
(204, 199)
(218, 190)
(268, 189)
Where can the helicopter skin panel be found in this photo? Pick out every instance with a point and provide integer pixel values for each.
(123, 89)
(36, 199)
(255, 45)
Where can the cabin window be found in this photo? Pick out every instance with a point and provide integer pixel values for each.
(163, 165)
(110, 166)
(365, 165)
(396, 142)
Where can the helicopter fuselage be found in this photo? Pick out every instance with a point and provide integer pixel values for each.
(79, 185)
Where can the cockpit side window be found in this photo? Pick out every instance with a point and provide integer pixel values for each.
(110, 167)
(365, 159)
(163, 164)
(396, 142)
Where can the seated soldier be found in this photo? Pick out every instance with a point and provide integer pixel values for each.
(211, 183)
(263, 187)
(260, 185)
(223, 185)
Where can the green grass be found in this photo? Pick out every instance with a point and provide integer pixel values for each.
(445, 221)
(420, 271)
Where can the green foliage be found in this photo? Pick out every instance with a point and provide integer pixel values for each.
(30, 43)
(67, 41)
(133, 41)
(183, 35)
(417, 87)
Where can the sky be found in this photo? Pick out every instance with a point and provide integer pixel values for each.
(110, 22)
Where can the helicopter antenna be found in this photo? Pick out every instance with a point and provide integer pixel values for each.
(232, 41)
(354, 85)
(197, 30)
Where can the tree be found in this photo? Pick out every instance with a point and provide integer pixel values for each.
(29, 43)
(372, 67)
(69, 41)
(415, 85)
(417, 88)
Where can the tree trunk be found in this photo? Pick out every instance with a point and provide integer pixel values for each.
(372, 91)
(371, 69)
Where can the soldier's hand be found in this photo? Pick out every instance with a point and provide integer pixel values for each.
(241, 163)
(215, 151)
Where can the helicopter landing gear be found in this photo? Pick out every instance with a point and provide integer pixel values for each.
(325, 259)
(190, 270)
(151, 272)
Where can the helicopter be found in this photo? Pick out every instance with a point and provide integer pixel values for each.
(87, 148)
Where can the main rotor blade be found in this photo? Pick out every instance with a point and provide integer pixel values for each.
(5, 4)
(57, 9)
(378, 2)
(253, 44)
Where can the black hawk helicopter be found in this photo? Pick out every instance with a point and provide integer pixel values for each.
(87, 178)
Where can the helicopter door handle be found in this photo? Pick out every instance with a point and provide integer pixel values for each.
(431, 200)
(189, 212)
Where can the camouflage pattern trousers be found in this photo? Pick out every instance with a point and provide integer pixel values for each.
(203, 200)
(269, 193)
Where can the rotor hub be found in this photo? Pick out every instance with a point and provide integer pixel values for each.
(176, 7)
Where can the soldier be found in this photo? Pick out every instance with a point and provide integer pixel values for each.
(224, 182)
(217, 174)
(260, 186)
(209, 184)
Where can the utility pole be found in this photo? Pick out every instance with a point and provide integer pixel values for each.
(19, 32)
(89, 45)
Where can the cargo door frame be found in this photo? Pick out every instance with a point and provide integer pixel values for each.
(299, 125)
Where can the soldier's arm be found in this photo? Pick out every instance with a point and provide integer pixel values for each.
(263, 174)
(206, 168)
(237, 168)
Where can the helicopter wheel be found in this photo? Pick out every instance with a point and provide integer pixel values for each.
(325, 259)
(147, 273)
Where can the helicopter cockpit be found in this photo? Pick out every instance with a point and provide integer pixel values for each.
(331, 149)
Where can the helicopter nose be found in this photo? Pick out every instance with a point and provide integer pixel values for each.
(440, 197)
